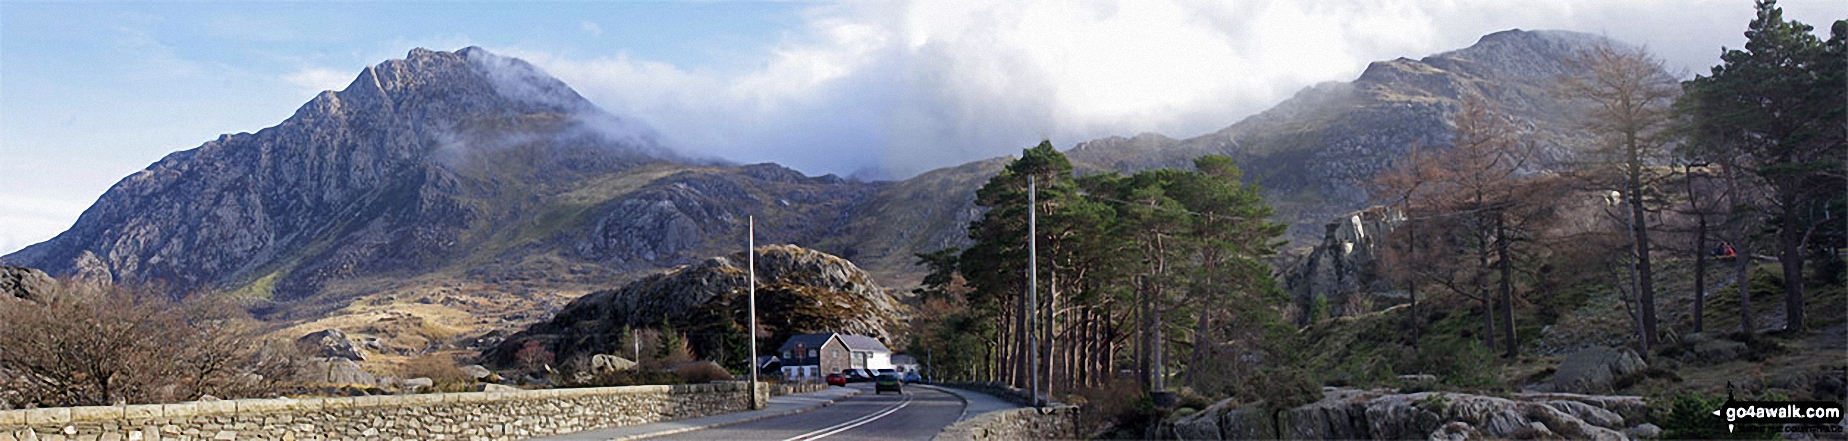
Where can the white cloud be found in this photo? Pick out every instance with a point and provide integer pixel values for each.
(591, 28)
(902, 87)
(31, 220)
(313, 80)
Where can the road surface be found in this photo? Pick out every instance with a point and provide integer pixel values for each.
(917, 414)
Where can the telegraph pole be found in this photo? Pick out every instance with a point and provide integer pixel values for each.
(1033, 285)
(750, 256)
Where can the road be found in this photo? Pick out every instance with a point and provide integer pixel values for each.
(917, 414)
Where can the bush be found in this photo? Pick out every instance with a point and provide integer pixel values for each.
(441, 369)
(1120, 407)
(1690, 416)
(702, 372)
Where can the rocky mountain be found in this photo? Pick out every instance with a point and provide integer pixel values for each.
(800, 291)
(473, 191)
(382, 176)
(1313, 152)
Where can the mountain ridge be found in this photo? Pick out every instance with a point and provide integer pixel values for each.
(449, 176)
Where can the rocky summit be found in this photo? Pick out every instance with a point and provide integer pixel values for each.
(799, 291)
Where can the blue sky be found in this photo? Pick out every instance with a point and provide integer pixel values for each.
(93, 91)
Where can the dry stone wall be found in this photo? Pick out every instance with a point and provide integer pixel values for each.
(1054, 422)
(448, 416)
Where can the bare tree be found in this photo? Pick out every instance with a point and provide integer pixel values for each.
(103, 344)
(1630, 95)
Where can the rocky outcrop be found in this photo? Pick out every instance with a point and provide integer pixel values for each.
(20, 283)
(798, 291)
(1357, 414)
(1343, 264)
(330, 343)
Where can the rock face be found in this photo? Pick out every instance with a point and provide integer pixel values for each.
(20, 283)
(1344, 263)
(799, 291)
(1356, 414)
(1594, 369)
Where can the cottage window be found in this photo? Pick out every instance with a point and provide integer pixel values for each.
(813, 353)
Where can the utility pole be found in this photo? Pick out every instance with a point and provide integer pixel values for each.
(750, 256)
(1033, 286)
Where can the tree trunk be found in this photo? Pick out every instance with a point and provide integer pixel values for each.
(1700, 253)
(1742, 258)
(1645, 277)
(1790, 238)
(1507, 284)
(1482, 289)
(1411, 283)
(1700, 269)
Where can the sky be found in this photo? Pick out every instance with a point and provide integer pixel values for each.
(91, 92)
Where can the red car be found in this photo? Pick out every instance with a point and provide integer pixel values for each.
(837, 380)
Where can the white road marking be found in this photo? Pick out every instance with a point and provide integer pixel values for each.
(850, 424)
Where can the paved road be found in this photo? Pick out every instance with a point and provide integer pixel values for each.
(918, 414)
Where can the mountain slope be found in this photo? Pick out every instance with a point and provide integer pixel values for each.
(1313, 151)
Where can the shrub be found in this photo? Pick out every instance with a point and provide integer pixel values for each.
(702, 372)
(441, 369)
(1690, 416)
(533, 357)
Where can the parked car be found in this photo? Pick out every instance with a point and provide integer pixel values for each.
(912, 377)
(858, 375)
(887, 382)
(837, 380)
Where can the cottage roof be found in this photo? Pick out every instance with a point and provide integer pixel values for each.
(863, 343)
(808, 341)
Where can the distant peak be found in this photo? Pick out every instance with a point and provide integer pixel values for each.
(471, 74)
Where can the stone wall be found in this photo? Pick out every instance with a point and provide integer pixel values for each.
(1055, 422)
(471, 415)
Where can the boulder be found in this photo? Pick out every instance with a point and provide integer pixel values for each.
(337, 370)
(494, 387)
(1643, 431)
(601, 363)
(1594, 369)
(330, 343)
(481, 373)
(418, 384)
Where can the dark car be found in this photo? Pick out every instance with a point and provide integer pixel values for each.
(837, 380)
(858, 375)
(887, 382)
(878, 372)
